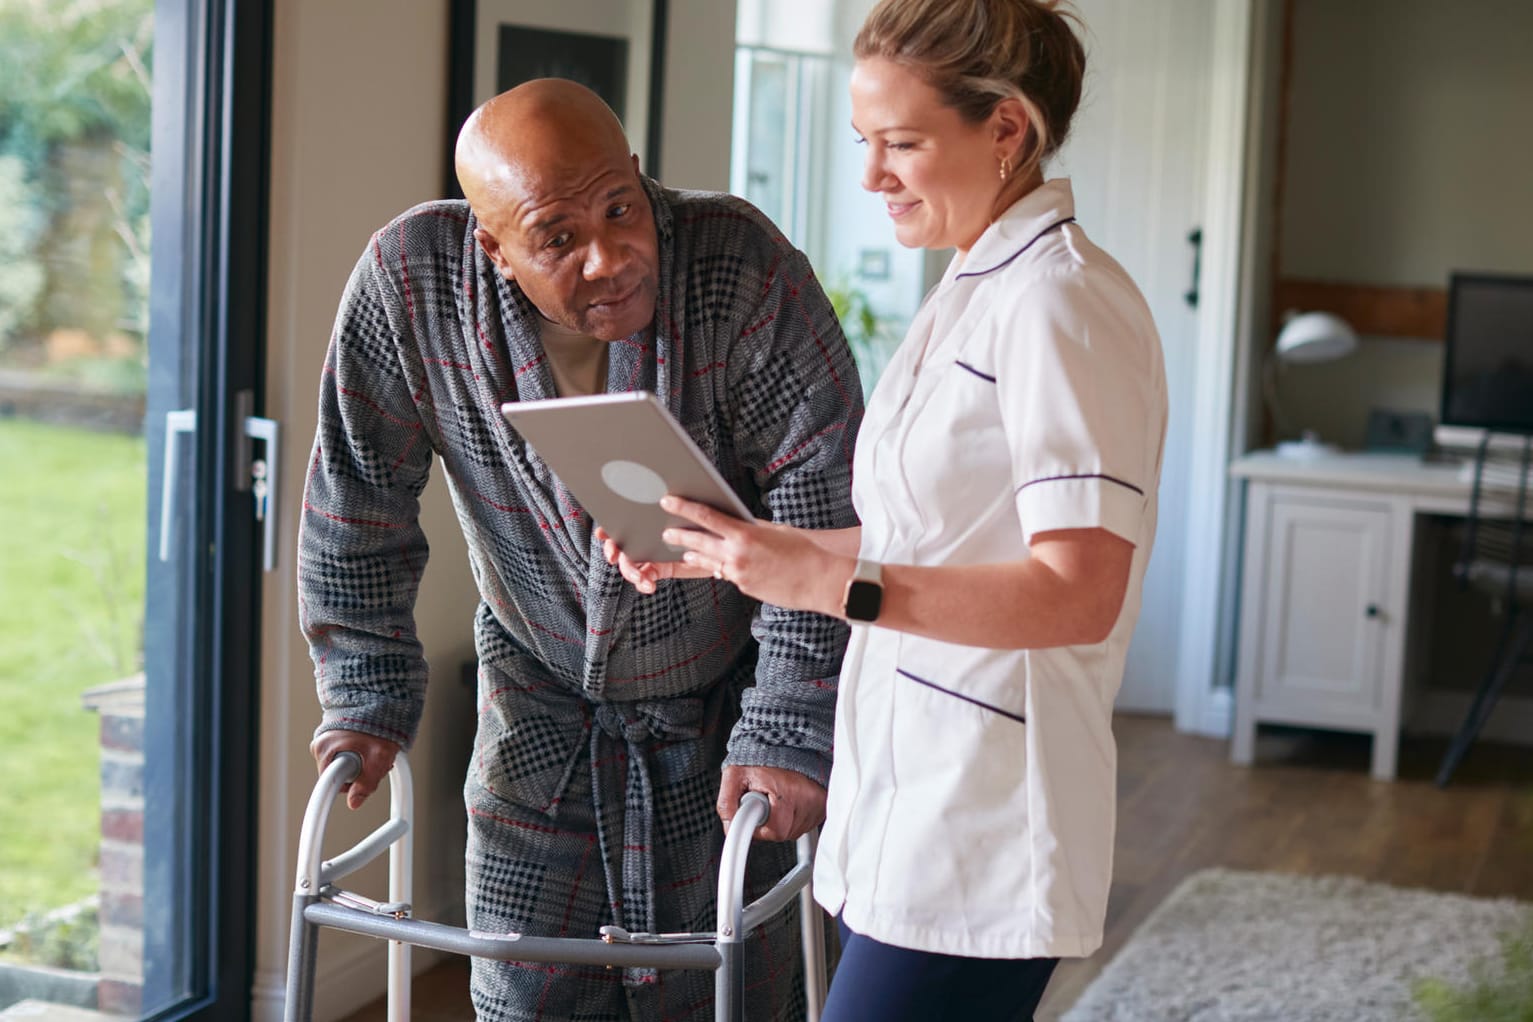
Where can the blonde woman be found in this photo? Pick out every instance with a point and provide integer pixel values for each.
(1005, 478)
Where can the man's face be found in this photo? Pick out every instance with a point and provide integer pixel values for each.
(582, 246)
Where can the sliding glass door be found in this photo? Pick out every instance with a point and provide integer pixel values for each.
(206, 329)
(132, 195)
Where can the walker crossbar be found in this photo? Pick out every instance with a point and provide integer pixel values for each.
(317, 903)
(517, 947)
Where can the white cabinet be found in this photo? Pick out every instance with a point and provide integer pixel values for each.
(1323, 600)
(1320, 637)
(1324, 595)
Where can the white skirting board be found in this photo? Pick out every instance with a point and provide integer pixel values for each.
(1218, 713)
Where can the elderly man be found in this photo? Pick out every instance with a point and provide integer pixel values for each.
(615, 728)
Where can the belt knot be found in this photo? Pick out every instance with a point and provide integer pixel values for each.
(664, 719)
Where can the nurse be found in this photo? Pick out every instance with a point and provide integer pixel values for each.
(1005, 478)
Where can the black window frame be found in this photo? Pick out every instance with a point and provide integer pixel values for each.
(209, 217)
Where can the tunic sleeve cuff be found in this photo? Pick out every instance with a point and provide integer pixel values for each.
(1081, 502)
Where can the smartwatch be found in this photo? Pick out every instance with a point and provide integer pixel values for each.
(864, 592)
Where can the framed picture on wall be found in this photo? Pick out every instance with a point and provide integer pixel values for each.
(614, 47)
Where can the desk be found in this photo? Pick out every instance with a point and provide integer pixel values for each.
(1326, 591)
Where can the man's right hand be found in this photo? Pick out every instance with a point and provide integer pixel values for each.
(644, 575)
(377, 760)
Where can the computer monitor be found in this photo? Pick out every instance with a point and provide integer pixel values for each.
(1488, 358)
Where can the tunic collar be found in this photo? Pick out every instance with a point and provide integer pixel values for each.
(1014, 230)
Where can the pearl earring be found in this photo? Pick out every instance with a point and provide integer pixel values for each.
(1005, 167)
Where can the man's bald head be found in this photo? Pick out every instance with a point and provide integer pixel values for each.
(540, 131)
(560, 206)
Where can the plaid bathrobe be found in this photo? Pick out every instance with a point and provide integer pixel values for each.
(604, 715)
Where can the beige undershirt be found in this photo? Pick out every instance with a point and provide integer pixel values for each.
(577, 361)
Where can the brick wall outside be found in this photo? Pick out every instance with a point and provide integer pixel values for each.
(121, 706)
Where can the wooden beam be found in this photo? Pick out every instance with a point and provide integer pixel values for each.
(1369, 308)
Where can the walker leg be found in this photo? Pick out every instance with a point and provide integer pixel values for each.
(812, 932)
(401, 881)
(729, 982)
(399, 981)
(303, 942)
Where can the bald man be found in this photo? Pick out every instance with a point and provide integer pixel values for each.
(615, 727)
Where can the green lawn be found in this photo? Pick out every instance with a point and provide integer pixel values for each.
(71, 606)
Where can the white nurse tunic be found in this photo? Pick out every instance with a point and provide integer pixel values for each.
(971, 805)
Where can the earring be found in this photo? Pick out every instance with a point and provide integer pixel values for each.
(1005, 167)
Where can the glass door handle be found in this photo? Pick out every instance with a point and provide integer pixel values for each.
(263, 484)
(1195, 239)
(258, 475)
(182, 420)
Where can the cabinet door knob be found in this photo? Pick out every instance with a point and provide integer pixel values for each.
(1373, 610)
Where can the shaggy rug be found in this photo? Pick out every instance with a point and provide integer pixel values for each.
(1229, 946)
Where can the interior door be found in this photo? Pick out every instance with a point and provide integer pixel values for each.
(1136, 156)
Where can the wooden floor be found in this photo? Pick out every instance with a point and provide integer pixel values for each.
(1308, 806)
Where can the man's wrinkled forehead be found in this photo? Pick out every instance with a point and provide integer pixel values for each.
(532, 197)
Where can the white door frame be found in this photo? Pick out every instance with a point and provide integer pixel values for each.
(1200, 706)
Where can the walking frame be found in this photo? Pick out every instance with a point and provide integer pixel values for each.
(318, 902)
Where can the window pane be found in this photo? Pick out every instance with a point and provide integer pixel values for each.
(74, 274)
(794, 156)
(771, 136)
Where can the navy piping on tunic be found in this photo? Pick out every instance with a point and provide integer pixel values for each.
(1051, 227)
(976, 372)
(958, 695)
(1083, 475)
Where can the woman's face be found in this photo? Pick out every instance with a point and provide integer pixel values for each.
(938, 174)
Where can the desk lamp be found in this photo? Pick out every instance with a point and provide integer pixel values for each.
(1309, 337)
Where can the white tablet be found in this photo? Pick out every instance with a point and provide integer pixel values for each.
(619, 454)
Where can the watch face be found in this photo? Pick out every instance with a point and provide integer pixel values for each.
(864, 600)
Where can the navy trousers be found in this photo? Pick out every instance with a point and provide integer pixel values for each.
(876, 982)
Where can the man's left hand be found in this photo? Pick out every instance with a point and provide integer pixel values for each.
(644, 575)
(798, 803)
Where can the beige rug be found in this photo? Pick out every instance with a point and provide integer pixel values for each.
(1229, 946)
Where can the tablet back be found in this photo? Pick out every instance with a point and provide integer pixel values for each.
(619, 454)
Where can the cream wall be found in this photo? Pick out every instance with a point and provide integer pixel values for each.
(1408, 140)
(358, 125)
(1408, 156)
(699, 94)
(352, 144)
